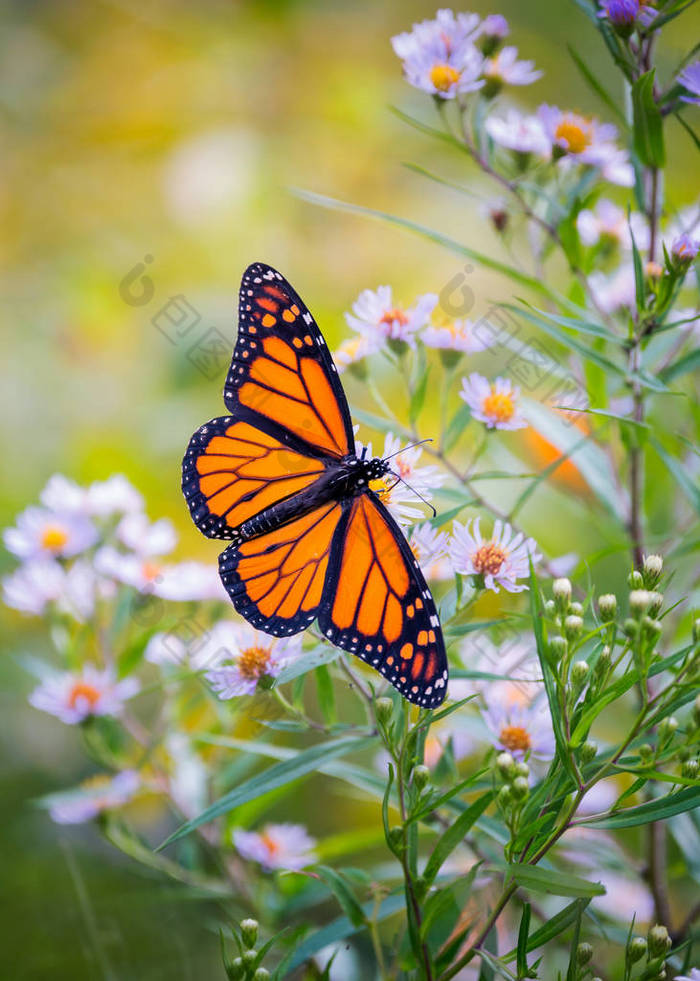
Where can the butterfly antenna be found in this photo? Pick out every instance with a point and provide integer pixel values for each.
(413, 490)
(409, 447)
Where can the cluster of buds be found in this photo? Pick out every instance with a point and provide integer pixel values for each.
(515, 783)
(247, 966)
(654, 948)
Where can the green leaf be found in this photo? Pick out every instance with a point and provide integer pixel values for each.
(653, 810)
(343, 893)
(456, 426)
(276, 776)
(544, 322)
(434, 236)
(454, 835)
(322, 654)
(572, 973)
(523, 934)
(648, 122)
(679, 473)
(689, 362)
(595, 84)
(341, 929)
(381, 423)
(552, 928)
(418, 397)
(689, 130)
(554, 882)
(326, 695)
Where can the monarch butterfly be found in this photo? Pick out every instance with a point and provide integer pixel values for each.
(280, 478)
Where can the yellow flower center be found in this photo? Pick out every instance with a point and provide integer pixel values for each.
(84, 691)
(150, 570)
(396, 315)
(489, 559)
(575, 132)
(53, 538)
(270, 843)
(99, 782)
(499, 406)
(351, 347)
(253, 662)
(515, 738)
(381, 487)
(443, 77)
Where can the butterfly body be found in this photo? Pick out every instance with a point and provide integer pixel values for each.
(279, 478)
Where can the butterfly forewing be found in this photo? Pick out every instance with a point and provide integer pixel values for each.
(282, 376)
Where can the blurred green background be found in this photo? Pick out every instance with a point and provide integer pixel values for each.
(177, 130)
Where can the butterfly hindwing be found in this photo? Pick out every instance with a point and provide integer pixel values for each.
(276, 580)
(377, 604)
(282, 377)
(232, 471)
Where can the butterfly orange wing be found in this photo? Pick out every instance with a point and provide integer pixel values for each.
(377, 604)
(277, 580)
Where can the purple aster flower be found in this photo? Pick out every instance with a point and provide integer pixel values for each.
(684, 250)
(622, 14)
(689, 78)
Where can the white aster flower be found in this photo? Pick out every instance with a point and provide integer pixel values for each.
(92, 797)
(377, 317)
(116, 495)
(136, 532)
(430, 549)
(41, 532)
(519, 133)
(34, 585)
(456, 336)
(518, 726)
(354, 349)
(439, 55)
(246, 658)
(694, 971)
(505, 69)
(177, 582)
(616, 291)
(493, 403)
(75, 697)
(79, 590)
(277, 846)
(585, 140)
(501, 559)
(607, 222)
(63, 495)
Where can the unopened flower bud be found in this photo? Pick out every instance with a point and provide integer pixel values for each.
(622, 14)
(584, 952)
(652, 569)
(667, 728)
(520, 788)
(249, 957)
(505, 796)
(635, 580)
(249, 932)
(654, 270)
(690, 769)
(652, 628)
(640, 600)
(262, 974)
(630, 627)
(696, 631)
(550, 608)
(589, 751)
(558, 647)
(684, 251)
(579, 674)
(522, 769)
(384, 708)
(421, 776)
(561, 590)
(696, 709)
(607, 607)
(573, 626)
(645, 752)
(636, 949)
(235, 969)
(505, 765)
(576, 608)
(396, 837)
(656, 601)
(658, 940)
(602, 664)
